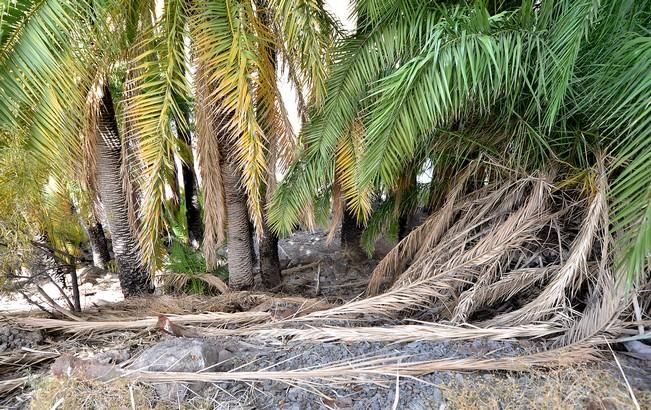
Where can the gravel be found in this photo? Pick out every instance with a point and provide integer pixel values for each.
(413, 393)
(12, 338)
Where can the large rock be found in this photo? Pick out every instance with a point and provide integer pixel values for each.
(179, 355)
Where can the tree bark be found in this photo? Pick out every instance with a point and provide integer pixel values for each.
(240, 261)
(268, 245)
(134, 279)
(98, 244)
(406, 220)
(76, 297)
(269, 261)
(192, 212)
(45, 261)
(351, 234)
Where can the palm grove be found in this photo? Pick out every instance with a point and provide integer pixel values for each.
(532, 118)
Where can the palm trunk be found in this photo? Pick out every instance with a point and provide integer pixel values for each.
(269, 261)
(56, 267)
(45, 261)
(98, 243)
(268, 245)
(192, 212)
(134, 279)
(240, 261)
(76, 297)
(351, 234)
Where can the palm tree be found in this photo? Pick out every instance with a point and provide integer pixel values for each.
(57, 97)
(532, 82)
(242, 130)
(134, 279)
(235, 46)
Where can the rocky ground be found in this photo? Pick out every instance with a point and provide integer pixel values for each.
(312, 269)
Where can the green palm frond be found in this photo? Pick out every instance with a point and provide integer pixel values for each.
(226, 36)
(358, 62)
(307, 32)
(465, 68)
(158, 90)
(626, 110)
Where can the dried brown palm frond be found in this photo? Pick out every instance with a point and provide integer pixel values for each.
(87, 326)
(512, 232)
(506, 287)
(519, 249)
(9, 385)
(417, 294)
(606, 301)
(180, 280)
(479, 264)
(17, 359)
(378, 368)
(571, 275)
(479, 212)
(212, 187)
(389, 334)
(429, 232)
(600, 316)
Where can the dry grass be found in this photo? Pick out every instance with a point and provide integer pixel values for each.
(569, 388)
(572, 387)
(72, 394)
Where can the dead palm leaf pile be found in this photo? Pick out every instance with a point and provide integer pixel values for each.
(520, 252)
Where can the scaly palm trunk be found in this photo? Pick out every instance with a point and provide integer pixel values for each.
(240, 261)
(134, 279)
(49, 263)
(192, 212)
(268, 245)
(98, 242)
(45, 261)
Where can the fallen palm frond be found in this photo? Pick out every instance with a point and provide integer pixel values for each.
(365, 369)
(429, 232)
(15, 360)
(414, 295)
(9, 385)
(515, 251)
(232, 301)
(85, 326)
(378, 368)
(390, 334)
(180, 280)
